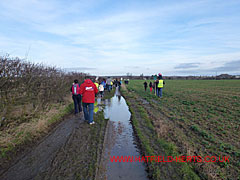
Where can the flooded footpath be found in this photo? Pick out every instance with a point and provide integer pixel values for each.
(119, 141)
(70, 151)
(75, 150)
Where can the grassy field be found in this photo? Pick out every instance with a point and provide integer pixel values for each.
(194, 118)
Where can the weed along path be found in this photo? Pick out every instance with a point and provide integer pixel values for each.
(70, 151)
(119, 141)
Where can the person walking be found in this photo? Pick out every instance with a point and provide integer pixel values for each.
(76, 97)
(104, 84)
(88, 90)
(101, 89)
(111, 85)
(153, 86)
(159, 76)
(145, 85)
(97, 85)
(150, 85)
(109, 80)
(156, 87)
(160, 86)
(118, 84)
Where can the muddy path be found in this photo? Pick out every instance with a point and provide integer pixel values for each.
(70, 151)
(76, 150)
(120, 141)
(36, 161)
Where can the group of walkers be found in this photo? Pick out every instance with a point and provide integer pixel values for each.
(156, 86)
(84, 95)
(107, 85)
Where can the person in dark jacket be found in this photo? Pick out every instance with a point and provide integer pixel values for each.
(88, 90)
(153, 86)
(76, 96)
(118, 84)
(156, 86)
(145, 85)
(150, 86)
(159, 76)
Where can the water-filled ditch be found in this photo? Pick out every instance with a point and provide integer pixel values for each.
(120, 141)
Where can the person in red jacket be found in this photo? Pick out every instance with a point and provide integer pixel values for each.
(88, 90)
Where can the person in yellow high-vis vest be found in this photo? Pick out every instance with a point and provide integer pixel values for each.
(160, 86)
(97, 85)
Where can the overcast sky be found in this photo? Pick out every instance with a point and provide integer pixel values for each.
(113, 37)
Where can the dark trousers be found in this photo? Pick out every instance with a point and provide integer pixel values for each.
(77, 103)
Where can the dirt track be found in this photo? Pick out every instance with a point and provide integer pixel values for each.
(70, 151)
(76, 150)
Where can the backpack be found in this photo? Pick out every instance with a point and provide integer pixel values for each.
(75, 89)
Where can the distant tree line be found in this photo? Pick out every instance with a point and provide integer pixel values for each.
(141, 76)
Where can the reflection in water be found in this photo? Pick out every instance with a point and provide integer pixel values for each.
(119, 98)
(120, 141)
(99, 102)
(117, 92)
(109, 102)
(98, 105)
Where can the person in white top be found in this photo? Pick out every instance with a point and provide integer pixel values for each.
(101, 89)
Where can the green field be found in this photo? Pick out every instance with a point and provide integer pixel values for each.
(196, 117)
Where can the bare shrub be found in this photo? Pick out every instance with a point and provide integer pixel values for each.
(32, 87)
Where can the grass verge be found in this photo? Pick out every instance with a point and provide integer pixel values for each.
(13, 139)
(152, 145)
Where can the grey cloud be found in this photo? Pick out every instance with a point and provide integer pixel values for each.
(190, 72)
(79, 69)
(231, 66)
(187, 65)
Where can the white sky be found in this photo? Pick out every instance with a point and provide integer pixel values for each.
(104, 37)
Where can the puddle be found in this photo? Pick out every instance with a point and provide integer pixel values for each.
(120, 141)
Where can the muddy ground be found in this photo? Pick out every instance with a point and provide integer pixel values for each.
(144, 124)
(120, 141)
(70, 151)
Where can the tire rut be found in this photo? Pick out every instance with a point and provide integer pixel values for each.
(34, 163)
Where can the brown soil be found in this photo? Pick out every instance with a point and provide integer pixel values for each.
(69, 151)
